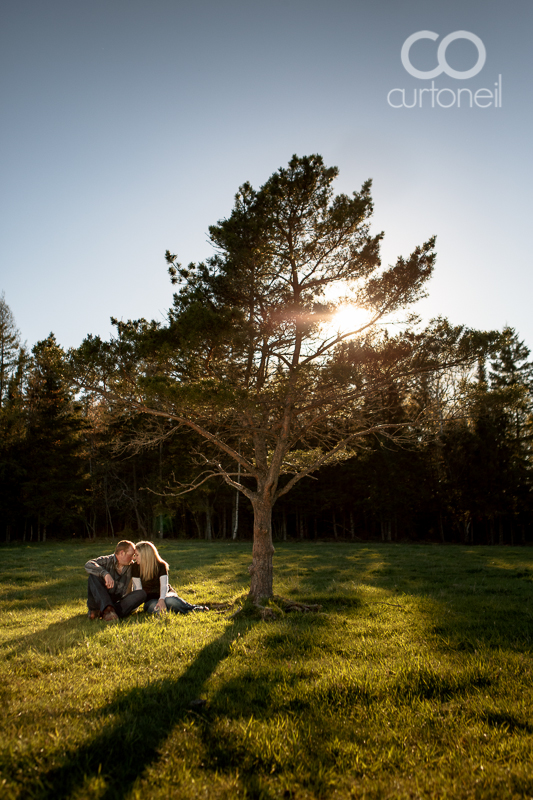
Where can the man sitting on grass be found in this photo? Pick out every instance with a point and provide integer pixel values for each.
(109, 581)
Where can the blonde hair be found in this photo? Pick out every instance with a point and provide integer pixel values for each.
(150, 558)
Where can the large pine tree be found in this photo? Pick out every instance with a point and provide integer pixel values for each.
(246, 360)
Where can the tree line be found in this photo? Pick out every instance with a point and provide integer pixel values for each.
(244, 416)
(70, 467)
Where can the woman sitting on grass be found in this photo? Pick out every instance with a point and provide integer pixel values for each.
(150, 573)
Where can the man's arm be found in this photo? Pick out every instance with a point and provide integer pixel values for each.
(101, 567)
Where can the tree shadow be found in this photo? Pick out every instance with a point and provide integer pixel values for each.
(60, 636)
(136, 724)
(479, 596)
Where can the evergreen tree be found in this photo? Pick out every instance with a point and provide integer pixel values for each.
(9, 347)
(512, 376)
(55, 487)
(12, 442)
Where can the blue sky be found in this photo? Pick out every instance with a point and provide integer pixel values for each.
(128, 125)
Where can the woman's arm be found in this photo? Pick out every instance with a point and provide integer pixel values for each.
(163, 589)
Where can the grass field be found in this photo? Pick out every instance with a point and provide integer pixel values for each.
(415, 680)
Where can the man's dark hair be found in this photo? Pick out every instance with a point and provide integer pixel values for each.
(123, 545)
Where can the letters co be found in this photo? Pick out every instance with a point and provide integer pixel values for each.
(444, 97)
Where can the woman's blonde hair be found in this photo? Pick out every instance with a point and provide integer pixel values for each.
(150, 558)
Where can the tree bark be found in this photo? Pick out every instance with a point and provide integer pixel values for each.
(140, 525)
(441, 529)
(235, 520)
(261, 570)
(208, 522)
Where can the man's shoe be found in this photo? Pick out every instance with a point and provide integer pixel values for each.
(109, 614)
(201, 608)
(93, 614)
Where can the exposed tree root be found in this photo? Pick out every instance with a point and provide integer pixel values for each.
(273, 608)
(217, 606)
(293, 605)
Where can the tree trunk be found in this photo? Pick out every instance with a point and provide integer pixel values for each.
(386, 529)
(196, 519)
(140, 525)
(108, 512)
(235, 521)
(468, 531)
(261, 570)
(208, 523)
(302, 525)
(235, 527)
(441, 529)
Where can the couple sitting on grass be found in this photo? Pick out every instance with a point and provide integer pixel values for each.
(132, 575)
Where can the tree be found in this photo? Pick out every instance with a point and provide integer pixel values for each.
(12, 446)
(247, 359)
(55, 486)
(512, 376)
(487, 447)
(9, 347)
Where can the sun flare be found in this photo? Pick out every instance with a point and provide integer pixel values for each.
(347, 319)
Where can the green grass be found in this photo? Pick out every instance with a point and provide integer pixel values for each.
(414, 681)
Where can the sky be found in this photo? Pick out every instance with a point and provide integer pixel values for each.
(128, 126)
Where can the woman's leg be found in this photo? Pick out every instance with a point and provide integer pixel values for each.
(177, 605)
(149, 606)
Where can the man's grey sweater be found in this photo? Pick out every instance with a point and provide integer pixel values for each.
(107, 565)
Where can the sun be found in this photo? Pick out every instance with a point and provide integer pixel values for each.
(347, 319)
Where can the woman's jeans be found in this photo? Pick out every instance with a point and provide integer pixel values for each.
(173, 603)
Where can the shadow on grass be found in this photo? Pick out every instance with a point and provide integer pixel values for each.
(478, 595)
(139, 722)
(60, 636)
(135, 726)
(41, 594)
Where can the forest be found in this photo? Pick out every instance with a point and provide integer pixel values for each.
(408, 437)
(68, 468)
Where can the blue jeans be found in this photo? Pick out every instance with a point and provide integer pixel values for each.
(172, 602)
(99, 597)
